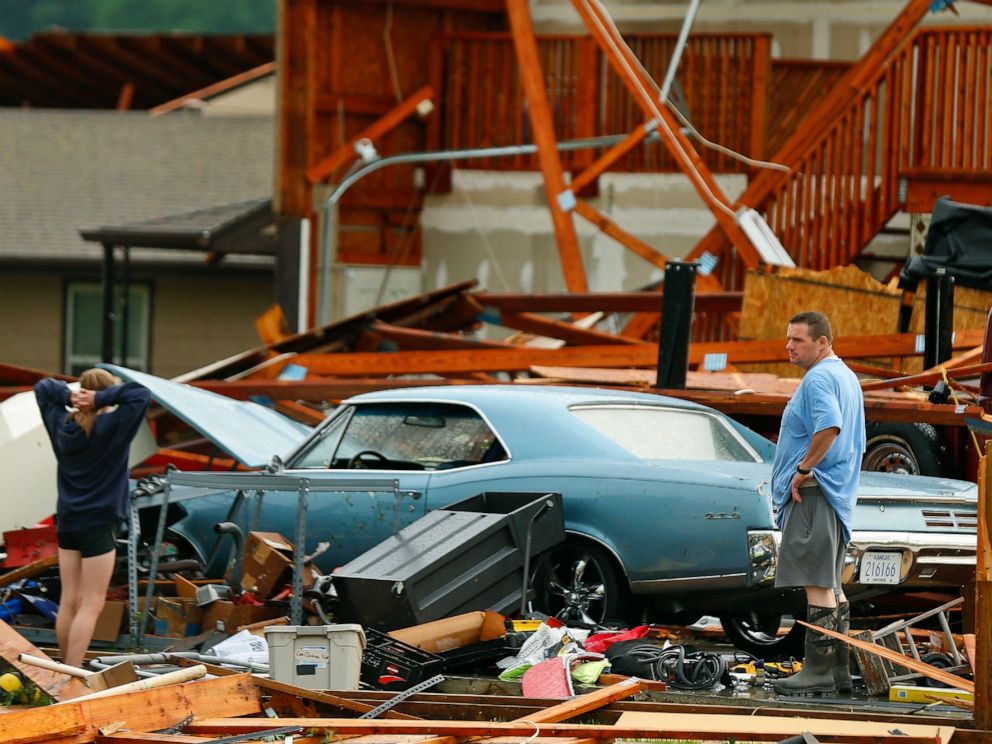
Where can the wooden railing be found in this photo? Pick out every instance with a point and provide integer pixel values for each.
(723, 80)
(928, 108)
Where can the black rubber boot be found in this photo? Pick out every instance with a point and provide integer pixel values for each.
(817, 675)
(842, 656)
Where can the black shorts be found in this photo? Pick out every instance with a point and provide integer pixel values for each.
(90, 542)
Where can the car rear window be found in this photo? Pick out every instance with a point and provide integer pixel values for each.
(656, 433)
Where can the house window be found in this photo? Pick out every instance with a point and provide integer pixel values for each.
(84, 326)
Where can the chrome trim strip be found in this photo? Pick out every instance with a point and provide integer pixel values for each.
(702, 580)
(922, 499)
(946, 560)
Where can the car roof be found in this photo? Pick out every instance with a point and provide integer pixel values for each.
(535, 422)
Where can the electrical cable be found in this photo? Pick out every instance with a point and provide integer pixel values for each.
(482, 234)
(696, 670)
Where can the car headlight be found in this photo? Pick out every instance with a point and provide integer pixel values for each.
(762, 553)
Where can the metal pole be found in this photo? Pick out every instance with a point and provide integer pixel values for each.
(107, 342)
(673, 66)
(153, 568)
(677, 305)
(939, 327)
(327, 213)
(299, 550)
(125, 303)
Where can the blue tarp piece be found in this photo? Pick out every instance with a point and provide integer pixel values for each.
(246, 431)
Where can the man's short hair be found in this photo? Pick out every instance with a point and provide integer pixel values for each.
(819, 324)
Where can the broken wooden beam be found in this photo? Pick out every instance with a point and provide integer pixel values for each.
(635, 355)
(55, 685)
(80, 722)
(895, 657)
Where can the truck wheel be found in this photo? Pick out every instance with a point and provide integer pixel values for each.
(759, 634)
(915, 449)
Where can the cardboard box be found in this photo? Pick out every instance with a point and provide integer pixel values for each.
(454, 632)
(268, 564)
(108, 623)
(232, 617)
(176, 617)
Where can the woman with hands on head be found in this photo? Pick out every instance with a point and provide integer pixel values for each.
(91, 445)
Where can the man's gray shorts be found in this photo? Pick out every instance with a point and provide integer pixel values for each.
(813, 549)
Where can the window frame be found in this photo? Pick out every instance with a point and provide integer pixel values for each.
(140, 361)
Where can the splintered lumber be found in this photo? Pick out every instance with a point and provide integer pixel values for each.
(55, 685)
(926, 670)
(36, 567)
(619, 355)
(567, 709)
(272, 685)
(679, 726)
(75, 722)
(755, 727)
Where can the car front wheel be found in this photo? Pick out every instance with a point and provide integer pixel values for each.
(578, 584)
(765, 635)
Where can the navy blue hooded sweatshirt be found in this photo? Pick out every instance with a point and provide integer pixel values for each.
(92, 475)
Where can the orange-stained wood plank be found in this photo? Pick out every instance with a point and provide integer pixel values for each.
(927, 670)
(148, 710)
(624, 238)
(532, 79)
(321, 170)
(567, 332)
(415, 338)
(57, 686)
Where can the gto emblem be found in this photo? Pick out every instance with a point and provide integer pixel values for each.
(722, 515)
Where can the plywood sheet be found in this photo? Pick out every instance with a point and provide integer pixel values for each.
(856, 303)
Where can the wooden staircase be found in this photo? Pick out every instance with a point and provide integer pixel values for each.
(919, 102)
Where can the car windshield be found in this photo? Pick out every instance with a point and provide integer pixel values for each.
(657, 433)
(404, 436)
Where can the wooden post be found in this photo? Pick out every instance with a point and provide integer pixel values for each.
(982, 663)
(296, 91)
(761, 68)
(544, 137)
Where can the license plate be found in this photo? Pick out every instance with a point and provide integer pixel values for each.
(880, 568)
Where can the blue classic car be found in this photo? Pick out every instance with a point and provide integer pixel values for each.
(667, 504)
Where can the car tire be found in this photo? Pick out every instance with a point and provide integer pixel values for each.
(578, 583)
(756, 633)
(915, 449)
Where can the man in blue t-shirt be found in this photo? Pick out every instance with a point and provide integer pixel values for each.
(814, 487)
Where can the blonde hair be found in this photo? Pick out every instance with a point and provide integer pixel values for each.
(92, 379)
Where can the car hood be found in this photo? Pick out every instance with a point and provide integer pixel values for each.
(248, 432)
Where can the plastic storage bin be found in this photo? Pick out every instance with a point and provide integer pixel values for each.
(317, 657)
(467, 556)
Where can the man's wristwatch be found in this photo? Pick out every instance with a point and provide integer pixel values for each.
(803, 471)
